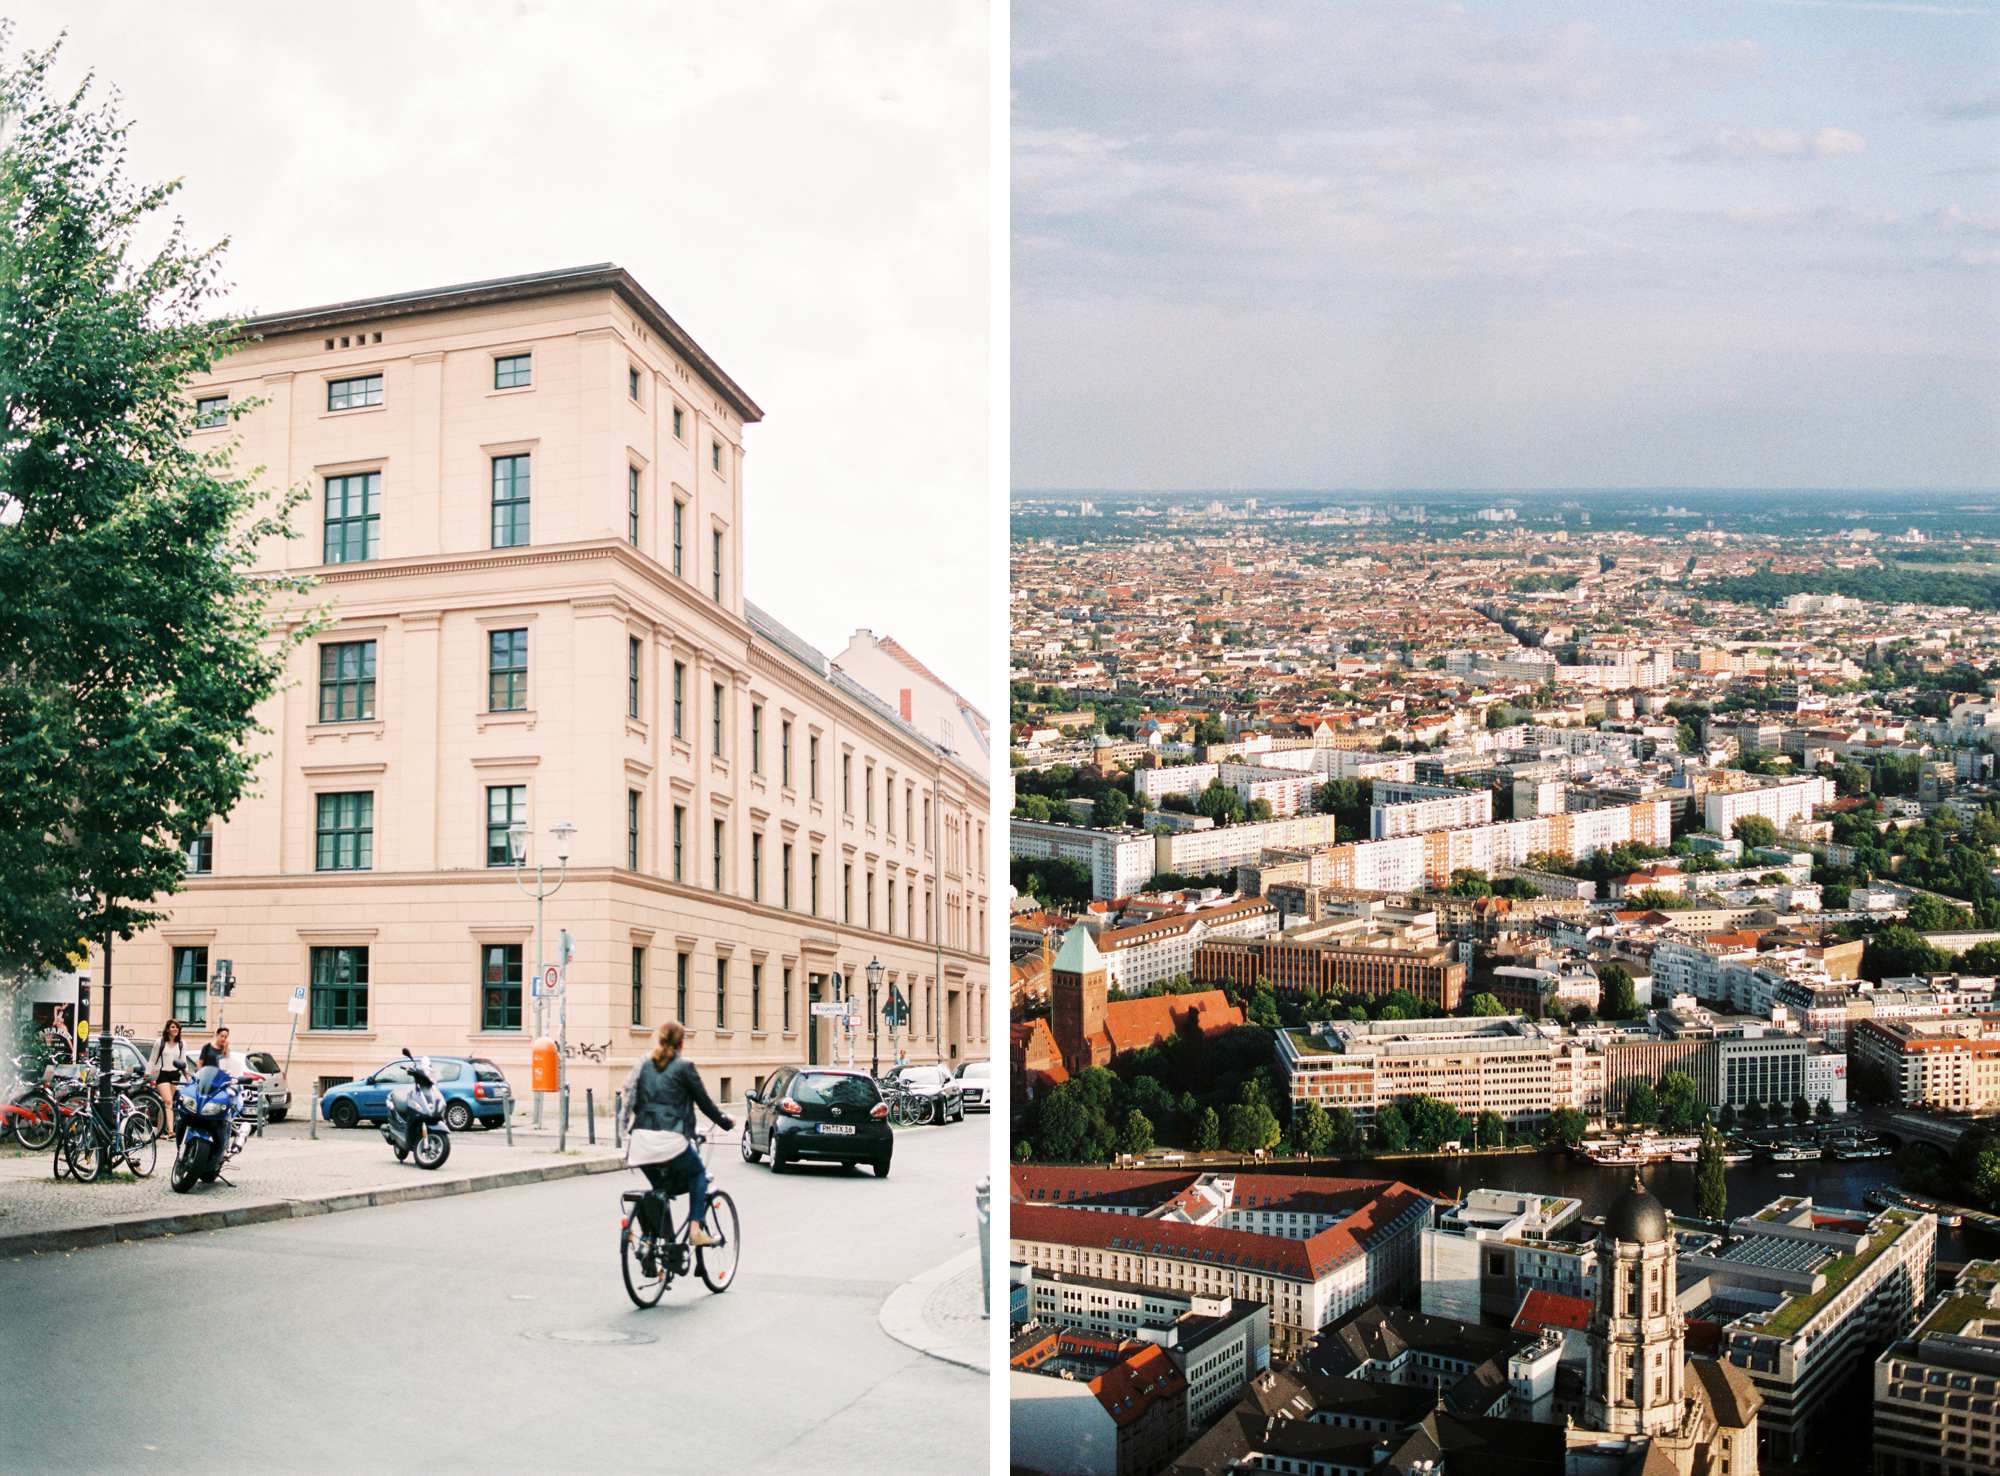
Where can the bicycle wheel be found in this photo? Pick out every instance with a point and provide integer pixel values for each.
(644, 1290)
(142, 1152)
(84, 1147)
(135, 1123)
(717, 1263)
(37, 1130)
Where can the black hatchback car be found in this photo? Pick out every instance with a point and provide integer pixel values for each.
(828, 1113)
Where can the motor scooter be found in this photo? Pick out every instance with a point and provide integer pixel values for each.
(414, 1125)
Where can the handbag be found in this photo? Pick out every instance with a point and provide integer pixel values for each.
(653, 1145)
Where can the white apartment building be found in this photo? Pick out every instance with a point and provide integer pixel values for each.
(1440, 812)
(1785, 804)
(1121, 862)
(1160, 949)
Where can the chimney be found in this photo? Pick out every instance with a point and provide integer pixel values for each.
(903, 703)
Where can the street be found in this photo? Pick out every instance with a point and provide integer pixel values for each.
(491, 1331)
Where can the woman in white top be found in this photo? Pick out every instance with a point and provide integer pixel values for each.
(168, 1065)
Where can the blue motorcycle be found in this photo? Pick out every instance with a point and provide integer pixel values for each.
(208, 1120)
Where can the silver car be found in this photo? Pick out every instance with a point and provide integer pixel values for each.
(973, 1078)
(277, 1095)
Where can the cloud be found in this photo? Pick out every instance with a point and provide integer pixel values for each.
(1778, 143)
(1966, 106)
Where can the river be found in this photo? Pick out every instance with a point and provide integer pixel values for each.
(1752, 1184)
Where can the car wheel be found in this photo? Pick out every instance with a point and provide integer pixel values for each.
(276, 1114)
(750, 1155)
(881, 1168)
(344, 1114)
(777, 1158)
(458, 1116)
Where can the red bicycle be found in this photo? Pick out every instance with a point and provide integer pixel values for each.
(37, 1113)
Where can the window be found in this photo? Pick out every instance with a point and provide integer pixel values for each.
(715, 568)
(756, 996)
(500, 993)
(632, 383)
(909, 803)
(339, 989)
(812, 883)
(680, 516)
(632, 505)
(631, 676)
(190, 1005)
(514, 371)
(680, 699)
(680, 423)
(889, 804)
(680, 840)
(812, 766)
(347, 682)
(681, 987)
(847, 784)
(868, 899)
(638, 986)
(785, 752)
(868, 794)
(505, 803)
(352, 394)
(786, 1007)
(756, 866)
(756, 737)
(632, 829)
(507, 671)
(785, 869)
(846, 892)
(718, 855)
(201, 854)
(510, 501)
(722, 994)
(344, 833)
(715, 455)
(353, 518)
(211, 411)
(715, 721)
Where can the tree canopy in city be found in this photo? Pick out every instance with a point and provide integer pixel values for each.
(138, 644)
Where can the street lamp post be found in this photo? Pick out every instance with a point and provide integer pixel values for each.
(875, 1014)
(517, 848)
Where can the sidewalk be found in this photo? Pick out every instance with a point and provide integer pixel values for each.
(939, 1313)
(284, 1174)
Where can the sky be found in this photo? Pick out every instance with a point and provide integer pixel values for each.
(1508, 245)
(807, 193)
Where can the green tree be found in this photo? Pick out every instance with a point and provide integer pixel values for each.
(1433, 1123)
(1138, 1134)
(1492, 1130)
(1220, 803)
(1207, 1131)
(1754, 831)
(1565, 1128)
(1642, 1105)
(1485, 1004)
(1110, 809)
(1392, 1130)
(136, 644)
(1930, 914)
(1468, 882)
(1711, 1178)
(1726, 1118)
(1252, 1126)
(1345, 1137)
(1312, 1130)
(1680, 1105)
(1801, 1110)
(1619, 998)
(1897, 951)
(1263, 1010)
(1823, 1110)
(1985, 1180)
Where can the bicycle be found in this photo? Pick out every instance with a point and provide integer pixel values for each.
(669, 1251)
(90, 1152)
(906, 1109)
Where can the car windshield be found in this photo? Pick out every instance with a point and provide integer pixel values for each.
(833, 1089)
(443, 1071)
(974, 1071)
(925, 1076)
(486, 1071)
(262, 1061)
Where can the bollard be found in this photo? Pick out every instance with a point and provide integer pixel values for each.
(982, 1210)
(510, 1120)
(312, 1130)
(618, 1119)
(590, 1114)
(562, 1121)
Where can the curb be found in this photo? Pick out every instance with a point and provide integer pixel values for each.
(902, 1317)
(151, 1227)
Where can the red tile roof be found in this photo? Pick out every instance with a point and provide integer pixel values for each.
(1134, 1024)
(1542, 1309)
(1129, 1388)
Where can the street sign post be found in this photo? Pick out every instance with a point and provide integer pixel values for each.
(834, 1009)
(547, 982)
(295, 1007)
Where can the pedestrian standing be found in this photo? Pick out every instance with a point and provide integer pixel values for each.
(168, 1065)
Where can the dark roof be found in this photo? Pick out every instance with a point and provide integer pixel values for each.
(1636, 1217)
(520, 288)
(1734, 1398)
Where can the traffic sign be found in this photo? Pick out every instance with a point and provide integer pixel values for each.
(297, 1003)
(836, 1008)
(551, 977)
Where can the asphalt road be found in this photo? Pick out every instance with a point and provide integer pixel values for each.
(490, 1332)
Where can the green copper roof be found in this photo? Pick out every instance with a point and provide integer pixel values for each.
(1079, 953)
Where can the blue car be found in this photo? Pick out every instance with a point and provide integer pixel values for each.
(475, 1090)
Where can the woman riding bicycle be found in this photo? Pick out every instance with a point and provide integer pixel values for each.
(661, 1094)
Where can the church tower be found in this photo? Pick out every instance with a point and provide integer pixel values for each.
(1078, 990)
(1637, 1331)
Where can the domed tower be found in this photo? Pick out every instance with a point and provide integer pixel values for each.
(1637, 1332)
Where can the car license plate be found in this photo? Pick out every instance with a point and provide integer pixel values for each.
(837, 1127)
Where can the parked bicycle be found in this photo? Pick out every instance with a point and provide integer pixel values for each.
(906, 1108)
(650, 1262)
(87, 1149)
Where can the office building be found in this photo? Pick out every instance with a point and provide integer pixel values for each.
(1950, 1064)
(1937, 1391)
